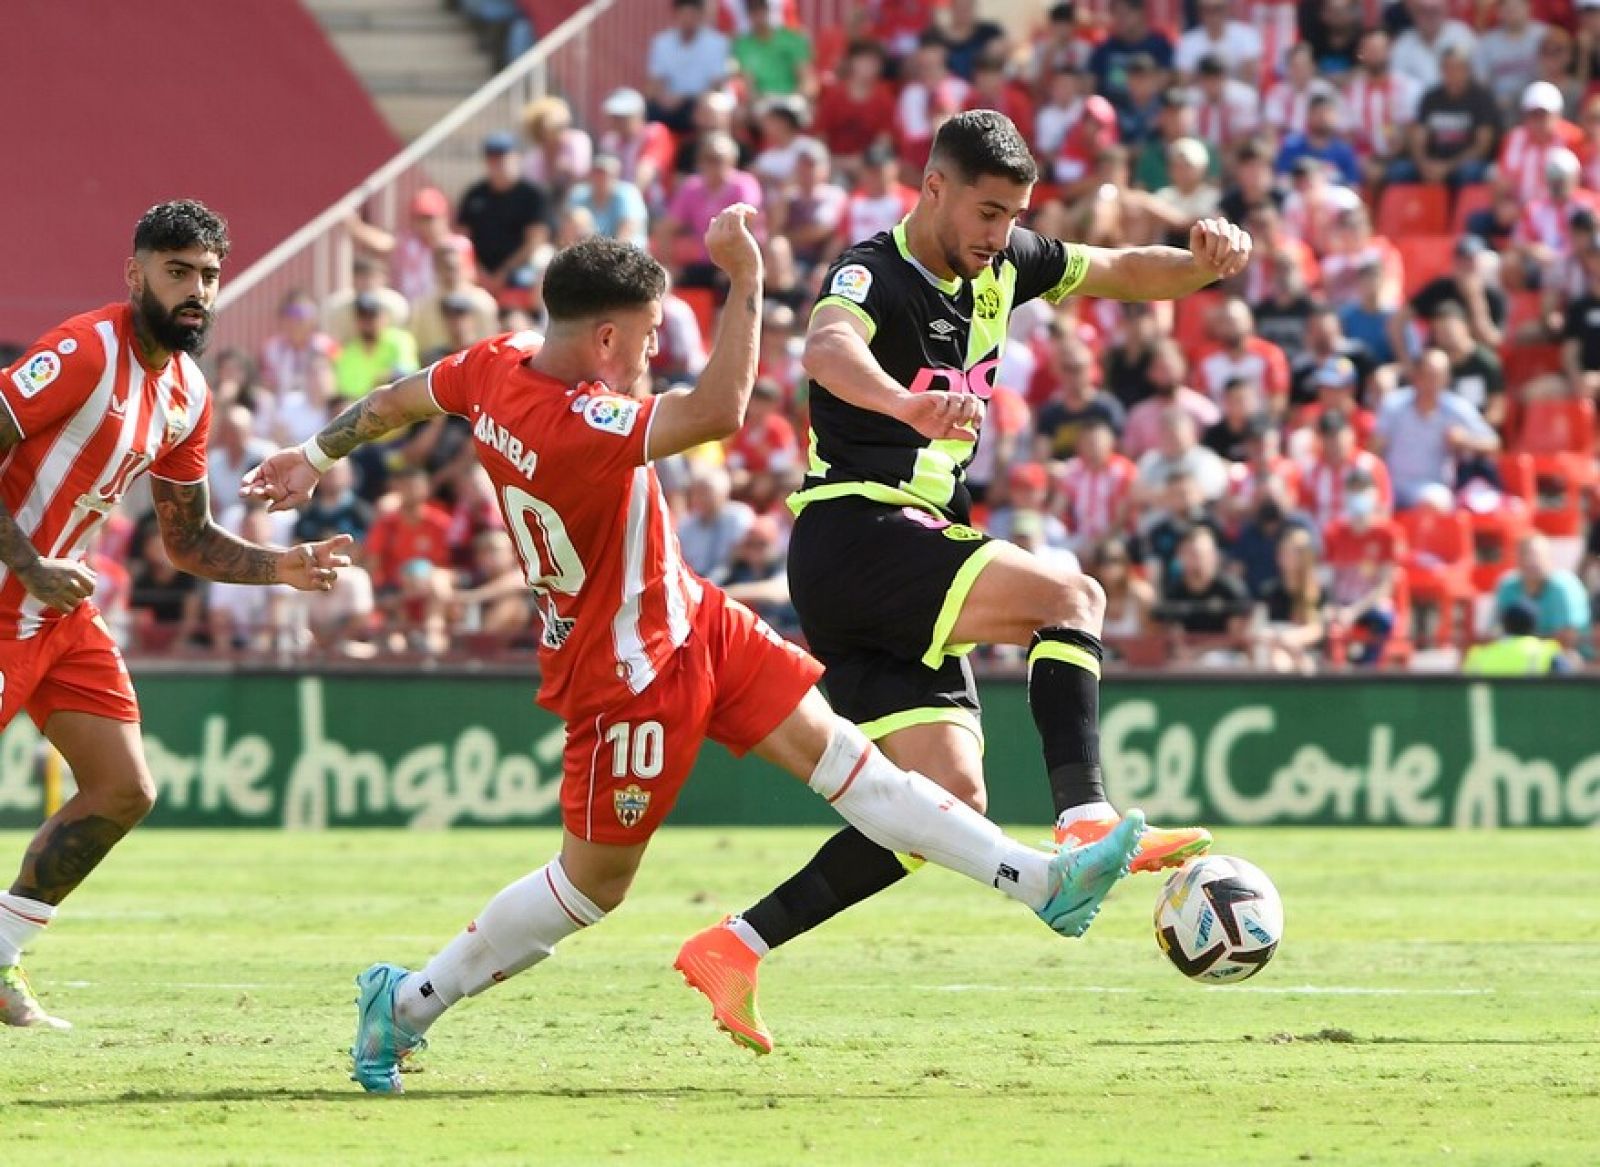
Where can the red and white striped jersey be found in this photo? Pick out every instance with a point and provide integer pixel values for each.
(93, 418)
(1550, 223)
(1096, 496)
(1377, 111)
(587, 515)
(1322, 485)
(1523, 161)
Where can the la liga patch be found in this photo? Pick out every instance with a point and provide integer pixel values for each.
(613, 415)
(37, 374)
(852, 282)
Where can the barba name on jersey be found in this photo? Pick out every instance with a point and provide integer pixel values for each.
(928, 334)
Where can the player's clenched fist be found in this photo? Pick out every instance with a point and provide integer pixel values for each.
(941, 416)
(731, 244)
(1220, 247)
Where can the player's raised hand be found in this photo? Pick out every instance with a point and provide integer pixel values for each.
(284, 481)
(940, 416)
(731, 244)
(61, 584)
(1220, 247)
(312, 567)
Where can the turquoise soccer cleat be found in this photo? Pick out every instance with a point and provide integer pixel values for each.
(382, 1043)
(1083, 876)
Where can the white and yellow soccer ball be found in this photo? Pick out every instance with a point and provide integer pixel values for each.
(1219, 919)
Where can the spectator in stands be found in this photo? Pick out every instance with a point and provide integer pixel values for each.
(1476, 375)
(1364, 546)
(287, 354)
(165, 602)
(1091, 136)
(1233, 41)
(335, 509)
(931, 94)
(716, 185)
(779, 357)
(243, 616)
(616, 205)
(1140, 110)
(992, 88)
(1367, 320)
(1558, 66)
(410, 254)
(1130, 600)
(855, 111)
(1543, 235)
(879, 200)
(1527, 148)
(1382, 105)
(713, 525)
(559, 153)
(809, 209)
(684, 61)
(494, 596)
(1065, 43)
(1271, 517)
(1453, 137)
(1425, 432)
(1253, 182)
(408, 556)
(1131, 35)
(644, 148)
(1004, 441)
(1175, 122)
(1288, 640)
(1518, 652)
(1467, 287)
(235, 448)
(506, 217)
(1097, 488)
(1076, 399)
(289, 418)
(1557, 596)
(379, 352)
(680, 342)
(758, 576)
(1166, 372)
(1322, 485)
(1281, 317)
(967, 38)
(454, 294)
(370, 278)
(1508, 54)
(1328, 360)
(1288, 102)
(1333, 31)
(774, 59)
(1322, 140)
(1241, 353)
(1027, 493)
(1178, 450)
(1199, 600)
(1351, 244)
(1230, 436)
(1580, 338)
(1312, 207)
(1418, 50)
(1060, 107)
(1190, 195)
(763, 457)
(1227, 110)
(781, 142)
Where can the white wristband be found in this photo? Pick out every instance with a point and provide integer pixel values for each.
(320, 460)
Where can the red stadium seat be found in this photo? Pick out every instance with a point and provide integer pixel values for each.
(1413, 208)
(1495, 536)
(1438, 568)
(1470, 200)
(1557, 435)
(704, 303)
(1426, 257)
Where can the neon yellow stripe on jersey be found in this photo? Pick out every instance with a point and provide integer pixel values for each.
(814, 463)
(949, 287)
(1077, 271)
(854, 309)
(956, 599)
(993, 294)
(933, 475)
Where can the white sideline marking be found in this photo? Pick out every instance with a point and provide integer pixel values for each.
(1312, 990)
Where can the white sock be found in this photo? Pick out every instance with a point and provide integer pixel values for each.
(21, 919)
(1087, 810)
(905, 812)
(515, 931)
(749, 935)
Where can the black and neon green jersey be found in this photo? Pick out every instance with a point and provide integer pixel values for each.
(928, 334)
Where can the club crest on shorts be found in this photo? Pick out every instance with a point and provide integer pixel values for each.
(631, 803)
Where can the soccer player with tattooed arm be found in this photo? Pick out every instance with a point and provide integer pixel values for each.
(92, 405)
(642, 659)
(892, 585)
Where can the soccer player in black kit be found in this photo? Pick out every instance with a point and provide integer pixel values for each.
(892, 585)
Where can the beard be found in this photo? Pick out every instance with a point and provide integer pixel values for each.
(166, 331)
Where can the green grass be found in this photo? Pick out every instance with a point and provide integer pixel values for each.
(1456, 1018)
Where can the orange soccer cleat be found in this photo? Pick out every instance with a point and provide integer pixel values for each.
(720, 965)
(1159, 847)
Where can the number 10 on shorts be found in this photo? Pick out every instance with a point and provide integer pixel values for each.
(637, 750)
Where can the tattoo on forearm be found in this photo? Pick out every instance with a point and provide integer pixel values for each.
(356, 426)
(61, 858)
(16, 552)
(202, 548)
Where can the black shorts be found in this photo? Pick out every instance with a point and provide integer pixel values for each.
(878, 588)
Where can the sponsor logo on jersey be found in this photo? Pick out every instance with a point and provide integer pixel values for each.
(987, 303)
(852, 282)
(612, 415)
(962, 533)
(941, 329)
(631, 803)
(494, 435)
(978, 380)
(37, 374)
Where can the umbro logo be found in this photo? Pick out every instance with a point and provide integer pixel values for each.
(942, 329)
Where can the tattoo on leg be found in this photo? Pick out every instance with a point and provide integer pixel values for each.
(65, 857)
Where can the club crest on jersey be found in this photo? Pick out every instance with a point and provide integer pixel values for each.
(631, 803)
(37, 374)
(852, 282)
(177, 418)
(612, 415)
(987, 303)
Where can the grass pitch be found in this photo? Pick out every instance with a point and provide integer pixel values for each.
(1437, 999)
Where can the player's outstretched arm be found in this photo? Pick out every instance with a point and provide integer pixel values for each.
(61, 584)
(198, 546)
(714, 408)
(286, 479)
(1217, 250)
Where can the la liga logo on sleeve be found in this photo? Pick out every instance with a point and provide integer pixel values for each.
(612, 415)
(37, 374)
(852, 282)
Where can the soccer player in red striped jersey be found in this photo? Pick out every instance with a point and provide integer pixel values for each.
(641, 658)
(93, 404)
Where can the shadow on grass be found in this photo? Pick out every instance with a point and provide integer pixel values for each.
(740, 1093)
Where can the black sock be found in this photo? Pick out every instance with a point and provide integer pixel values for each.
(1064, 694)
(847, 869)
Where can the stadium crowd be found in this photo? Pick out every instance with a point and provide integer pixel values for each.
(1379, 440)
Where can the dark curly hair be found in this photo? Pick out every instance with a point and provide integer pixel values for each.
(180, 224)
(981, 143)
(600, 275)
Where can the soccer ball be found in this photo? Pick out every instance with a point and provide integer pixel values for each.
(1219, 919)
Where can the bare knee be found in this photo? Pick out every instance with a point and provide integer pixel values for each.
(1076, 601)
(608, 894)
(974, 794)
(129, 801)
